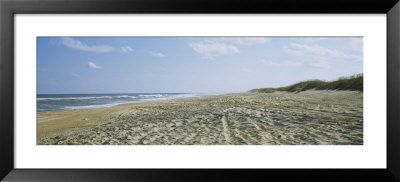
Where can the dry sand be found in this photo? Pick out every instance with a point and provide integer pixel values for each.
(280, 118)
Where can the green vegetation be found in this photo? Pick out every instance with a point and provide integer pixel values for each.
(354, 82)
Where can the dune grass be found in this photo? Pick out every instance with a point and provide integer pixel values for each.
(354, 82)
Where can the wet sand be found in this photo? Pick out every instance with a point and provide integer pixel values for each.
(280, 118)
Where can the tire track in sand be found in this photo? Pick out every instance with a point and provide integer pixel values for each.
(260, 130)
(227, 131)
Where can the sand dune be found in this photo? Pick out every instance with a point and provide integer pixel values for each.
(280, 118)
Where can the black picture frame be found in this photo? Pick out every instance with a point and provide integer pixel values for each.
(9, 8)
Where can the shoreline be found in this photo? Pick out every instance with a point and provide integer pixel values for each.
(127, 102)
(133, 102)
(309, 117)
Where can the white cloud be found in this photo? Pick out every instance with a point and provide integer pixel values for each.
(318, 56)
(282, 63)
(251, 41)
(125, 49)
(313, 50)
(94, 66)
(213, 49)
(156, 54)
(244, 40)
(76, 44)
(75, 75)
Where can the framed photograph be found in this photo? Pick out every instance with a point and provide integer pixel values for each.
(171, 91)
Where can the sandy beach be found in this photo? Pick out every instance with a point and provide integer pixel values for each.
(280, 118)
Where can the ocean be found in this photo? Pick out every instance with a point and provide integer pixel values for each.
(50, 102)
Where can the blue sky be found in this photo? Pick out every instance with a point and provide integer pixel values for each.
(190, 64)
